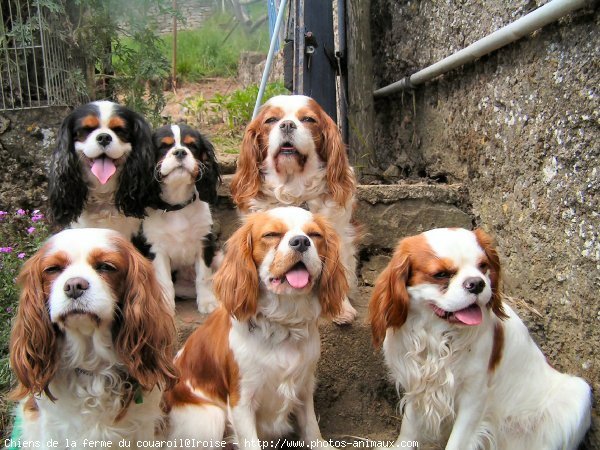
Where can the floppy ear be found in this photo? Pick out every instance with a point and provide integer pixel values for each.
(340, 177)
(236, 281)
(389, 302)
(487, 244)
(209, 178)
(144, 331)
(136, 187)
(67, 191)
(246, 181)
(333, 286)
(33, 355)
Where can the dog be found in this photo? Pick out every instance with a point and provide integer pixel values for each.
(472, 375)
(178, 223)
(253, 361)
(92, 343)
(292, 153)
(100, 171)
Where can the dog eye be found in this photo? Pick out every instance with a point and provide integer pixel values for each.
(105, 267)
(53, 269)
(441, 275)
(272, 234)
(271, 120)
(314, 234)
(483, 267)
(308, 119)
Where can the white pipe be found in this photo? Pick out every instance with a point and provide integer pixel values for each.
(527, 24)
(265, 75)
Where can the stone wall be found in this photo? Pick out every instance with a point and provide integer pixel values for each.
(195, 12)
(520, 130)
(27, 139)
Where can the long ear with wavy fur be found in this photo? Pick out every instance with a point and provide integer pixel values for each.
(340, 177)
(144, 331)
(333, 285)
(246, 181)
(136, 188)
(236, 281)
(388, 307)
(67, 190)
(33, 340)
(487, 244)
(209, 179)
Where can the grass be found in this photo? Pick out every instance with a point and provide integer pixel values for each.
(210, 51)
(21, 234)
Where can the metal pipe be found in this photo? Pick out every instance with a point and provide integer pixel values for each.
(527, 24)
(265, 75)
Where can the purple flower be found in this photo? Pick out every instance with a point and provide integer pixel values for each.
(30, 230)
(2, 214)
(21, 212)
(37, 217)
(6, 249)
(21, 255)
(9, 309)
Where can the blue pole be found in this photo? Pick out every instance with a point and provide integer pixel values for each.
(265, 75)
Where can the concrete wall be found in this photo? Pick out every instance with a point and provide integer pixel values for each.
(520, 130)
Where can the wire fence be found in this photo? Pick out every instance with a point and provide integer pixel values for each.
(37, 69)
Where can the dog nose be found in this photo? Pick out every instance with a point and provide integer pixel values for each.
(300, 243)
(474, 285)
(75, 287)
(287, 126)
(104, 139)
(179, 153)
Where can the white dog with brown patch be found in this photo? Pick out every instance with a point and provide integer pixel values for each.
(472, 375)
(252, 363)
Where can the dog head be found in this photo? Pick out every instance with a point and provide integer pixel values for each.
(449, 273)
(83, 280)
(184, 157)
(105, 147)
(292, 136)
(287, 252)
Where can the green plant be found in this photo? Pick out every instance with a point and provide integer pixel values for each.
(239, 105)
(21, 235)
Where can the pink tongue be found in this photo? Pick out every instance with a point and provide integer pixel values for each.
(470, 315)
(103, 168)
(298, 278)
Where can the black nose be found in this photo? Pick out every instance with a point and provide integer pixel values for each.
(287, 126)
(179, 153)
(474, 285)
(104, 139)
(74, 287)
(300, 243)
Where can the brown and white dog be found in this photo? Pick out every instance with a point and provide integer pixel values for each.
(472, 375)
(92, 344)
(292, 154)
(253, 362)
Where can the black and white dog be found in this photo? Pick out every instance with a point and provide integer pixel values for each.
(100, 171)
(178, 224)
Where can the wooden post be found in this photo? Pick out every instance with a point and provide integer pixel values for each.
(174, 62)
(360, 84)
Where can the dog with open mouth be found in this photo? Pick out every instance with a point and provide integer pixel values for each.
(101, 170)
(472, 375)
(252, 363)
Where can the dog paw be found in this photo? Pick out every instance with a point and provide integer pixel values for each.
(347, 315)
(206, 302)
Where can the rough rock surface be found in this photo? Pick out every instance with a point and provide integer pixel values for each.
(520, 130)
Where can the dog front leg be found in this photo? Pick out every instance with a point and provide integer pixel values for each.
(471, 406)
(243, 420)
(204, 295)
(307, 419)
(162, 267)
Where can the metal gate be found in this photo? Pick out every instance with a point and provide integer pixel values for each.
(36, 68)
